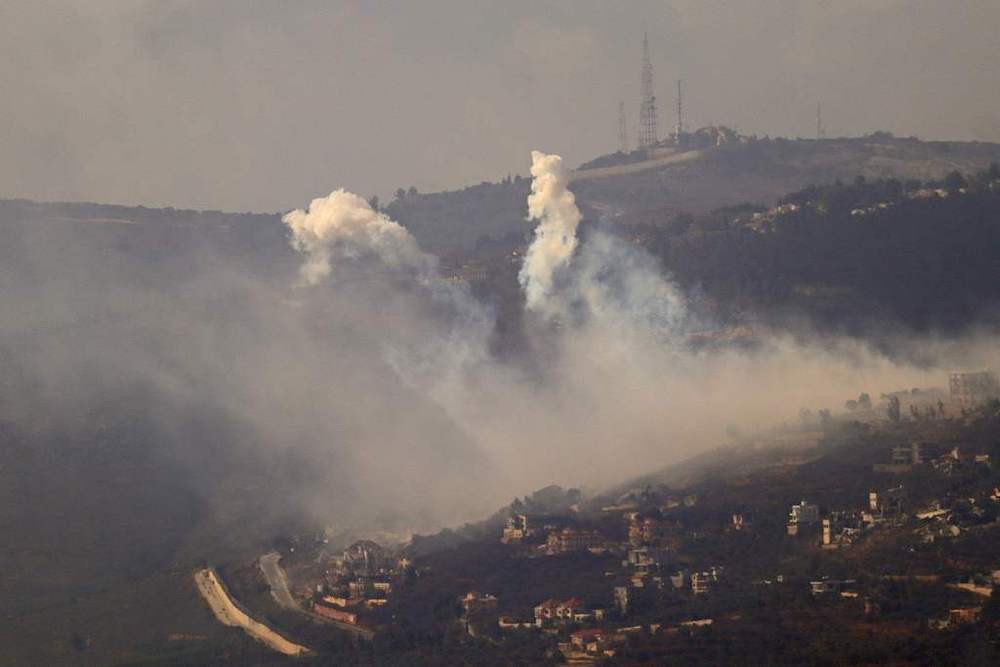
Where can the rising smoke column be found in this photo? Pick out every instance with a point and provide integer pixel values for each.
(345, 224)
(554, 206)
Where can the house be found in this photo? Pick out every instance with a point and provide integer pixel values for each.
(701, 582)
(516, 529)
(475, 603)
(889, 501)
(912, 454)
(622, 599)
(802, 515)
(512, 623)
(364, 558)
(338, 601)
(335, 614)
(478, 611)
(645, 558)
(554, 612)
(841, 529)
(589, 642)
(587, 639)
(823, 586)
(964, 615)
(571, 539)
(644, 530)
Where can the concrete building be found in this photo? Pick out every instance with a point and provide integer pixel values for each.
(554, 612)
(802, 515)
(702, 582)
(516, 529)
(571, 539)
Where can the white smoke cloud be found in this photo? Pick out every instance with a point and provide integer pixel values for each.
(345, 224)
(554, 206)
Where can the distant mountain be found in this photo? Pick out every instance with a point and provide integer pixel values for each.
(676, 180)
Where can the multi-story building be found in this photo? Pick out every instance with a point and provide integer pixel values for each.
(554, 612)
(801, 515)
(516, 529)
(701, 582)
(571, 539)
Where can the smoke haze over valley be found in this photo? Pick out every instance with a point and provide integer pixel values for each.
(182, 389)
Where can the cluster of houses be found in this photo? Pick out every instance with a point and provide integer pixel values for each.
(360, 579)
(553, 616)
(759, 220)
(645, 569)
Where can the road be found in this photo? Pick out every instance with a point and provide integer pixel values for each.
(228, 613)
(277, 580)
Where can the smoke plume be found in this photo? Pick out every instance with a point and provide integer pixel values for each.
(345, 224)
(374, 399)
(554, 206)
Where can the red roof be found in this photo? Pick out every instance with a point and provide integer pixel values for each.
(573, 603)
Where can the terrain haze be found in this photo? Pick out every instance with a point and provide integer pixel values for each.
(277, 278)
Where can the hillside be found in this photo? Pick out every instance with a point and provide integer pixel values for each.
(694, 182)
(114, 486)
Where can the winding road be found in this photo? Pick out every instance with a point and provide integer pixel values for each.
(278, 581)
(228, 613)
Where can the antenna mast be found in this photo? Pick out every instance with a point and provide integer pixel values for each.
(647, 100)
(680, 110)
(622, 129)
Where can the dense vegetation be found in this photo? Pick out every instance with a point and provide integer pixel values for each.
(926, 263)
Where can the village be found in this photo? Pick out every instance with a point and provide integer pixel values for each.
(881, 492)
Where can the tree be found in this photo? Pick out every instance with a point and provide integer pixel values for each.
(373, 202)
(400, 193)
(412, 192)
(865, 401)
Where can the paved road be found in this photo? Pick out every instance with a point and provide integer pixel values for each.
(277, 580)
(228, 613)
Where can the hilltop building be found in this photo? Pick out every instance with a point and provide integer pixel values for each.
(516, 529)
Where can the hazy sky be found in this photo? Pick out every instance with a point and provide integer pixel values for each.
(247, 105)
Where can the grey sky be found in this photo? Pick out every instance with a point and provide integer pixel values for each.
(249, 105)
